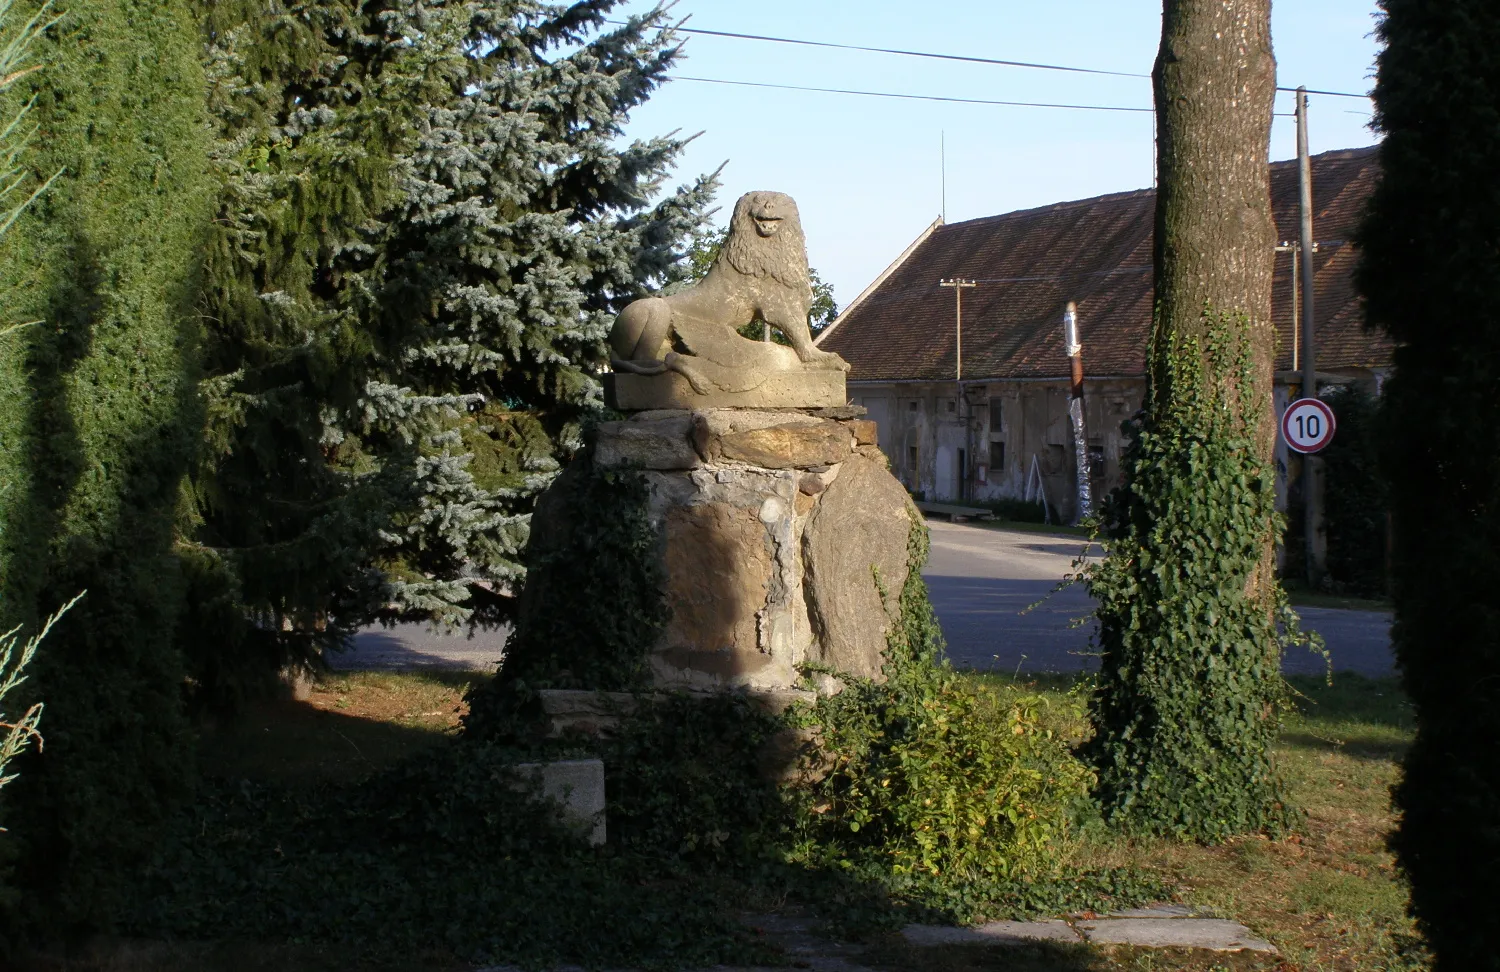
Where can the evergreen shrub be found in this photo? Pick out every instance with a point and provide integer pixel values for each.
(1429, 275)
(98, 421)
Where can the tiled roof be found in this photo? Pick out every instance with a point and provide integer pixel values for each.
(1096, 252)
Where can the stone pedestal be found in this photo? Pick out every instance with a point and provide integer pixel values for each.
(779, 530)
(801, 387)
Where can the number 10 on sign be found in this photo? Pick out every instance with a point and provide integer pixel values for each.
(1307, 425)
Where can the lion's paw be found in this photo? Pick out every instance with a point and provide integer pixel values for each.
(826, 360)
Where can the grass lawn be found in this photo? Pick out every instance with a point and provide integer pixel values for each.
(1313, 599)
(1328, 897)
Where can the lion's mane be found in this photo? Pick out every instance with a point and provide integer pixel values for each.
(782, 257)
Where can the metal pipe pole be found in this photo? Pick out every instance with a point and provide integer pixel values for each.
(1312, 466)
(1074, 349)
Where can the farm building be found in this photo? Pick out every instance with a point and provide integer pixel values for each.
(999, 428)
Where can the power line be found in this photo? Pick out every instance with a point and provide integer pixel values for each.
(917, 97)
(959, 57)
(927, 54)
(909, 97)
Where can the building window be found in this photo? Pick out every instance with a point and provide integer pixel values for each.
(997, 456)
(911, 462)
(995, 417)
(911, 406)
(1096, 464)
(952, 405)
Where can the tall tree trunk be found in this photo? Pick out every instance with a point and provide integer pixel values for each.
(1214, 80)
(1185, 709)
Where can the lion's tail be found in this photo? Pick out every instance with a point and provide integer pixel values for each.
(638, 367)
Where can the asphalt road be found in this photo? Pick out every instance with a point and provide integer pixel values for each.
(416, 646)
(996, 595)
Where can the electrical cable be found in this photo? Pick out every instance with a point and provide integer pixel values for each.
(910, 97)
(917, 97)
(927, 54)
(957, 57)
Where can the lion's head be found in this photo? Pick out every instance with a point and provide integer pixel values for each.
(765, 240)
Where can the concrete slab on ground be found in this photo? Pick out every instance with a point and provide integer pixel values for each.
(991, 933)
(1212, 934)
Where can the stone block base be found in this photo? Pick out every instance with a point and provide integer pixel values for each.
(576, 785)
(782, 536)
(782, 389)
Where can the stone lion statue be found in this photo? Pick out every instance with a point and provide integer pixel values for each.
(760, 275)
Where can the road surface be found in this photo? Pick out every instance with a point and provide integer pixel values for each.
(995, 593)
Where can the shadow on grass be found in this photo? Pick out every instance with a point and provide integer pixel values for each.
(895, 955)
(1368, 718)
(127, 955)
(295, 743)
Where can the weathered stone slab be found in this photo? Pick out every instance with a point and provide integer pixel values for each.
(660, 441)
(581, 710)
(859, 527)
(770, 440)
(576, 785)
(863, 430)
(1160, 911)
(822, 388)
(719, 568)
(993, 933)
(1214, 934)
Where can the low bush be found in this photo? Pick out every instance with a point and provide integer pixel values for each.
(935, 774)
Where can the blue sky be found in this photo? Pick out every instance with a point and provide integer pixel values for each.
(865, 171)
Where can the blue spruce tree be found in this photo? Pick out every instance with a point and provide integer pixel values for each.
(429, 218)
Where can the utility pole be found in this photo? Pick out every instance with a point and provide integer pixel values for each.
(958, 285)
(1312, 466)
(1287, 246)
(1075, 410)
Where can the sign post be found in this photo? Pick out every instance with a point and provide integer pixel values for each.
(1307, 425)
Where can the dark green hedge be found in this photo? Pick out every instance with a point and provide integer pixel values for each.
(98, 422)
(1430, 275)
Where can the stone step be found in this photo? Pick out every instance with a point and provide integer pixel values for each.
(1162, 926)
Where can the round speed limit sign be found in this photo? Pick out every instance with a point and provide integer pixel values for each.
(1307, 425)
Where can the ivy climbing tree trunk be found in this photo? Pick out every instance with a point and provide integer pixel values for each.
(1429, 275)
(1187, 598)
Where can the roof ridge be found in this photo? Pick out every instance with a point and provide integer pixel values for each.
(1051, 207)
(1330, 155)
(1333, 154)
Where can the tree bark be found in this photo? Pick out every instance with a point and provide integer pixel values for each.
(1214, 80)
